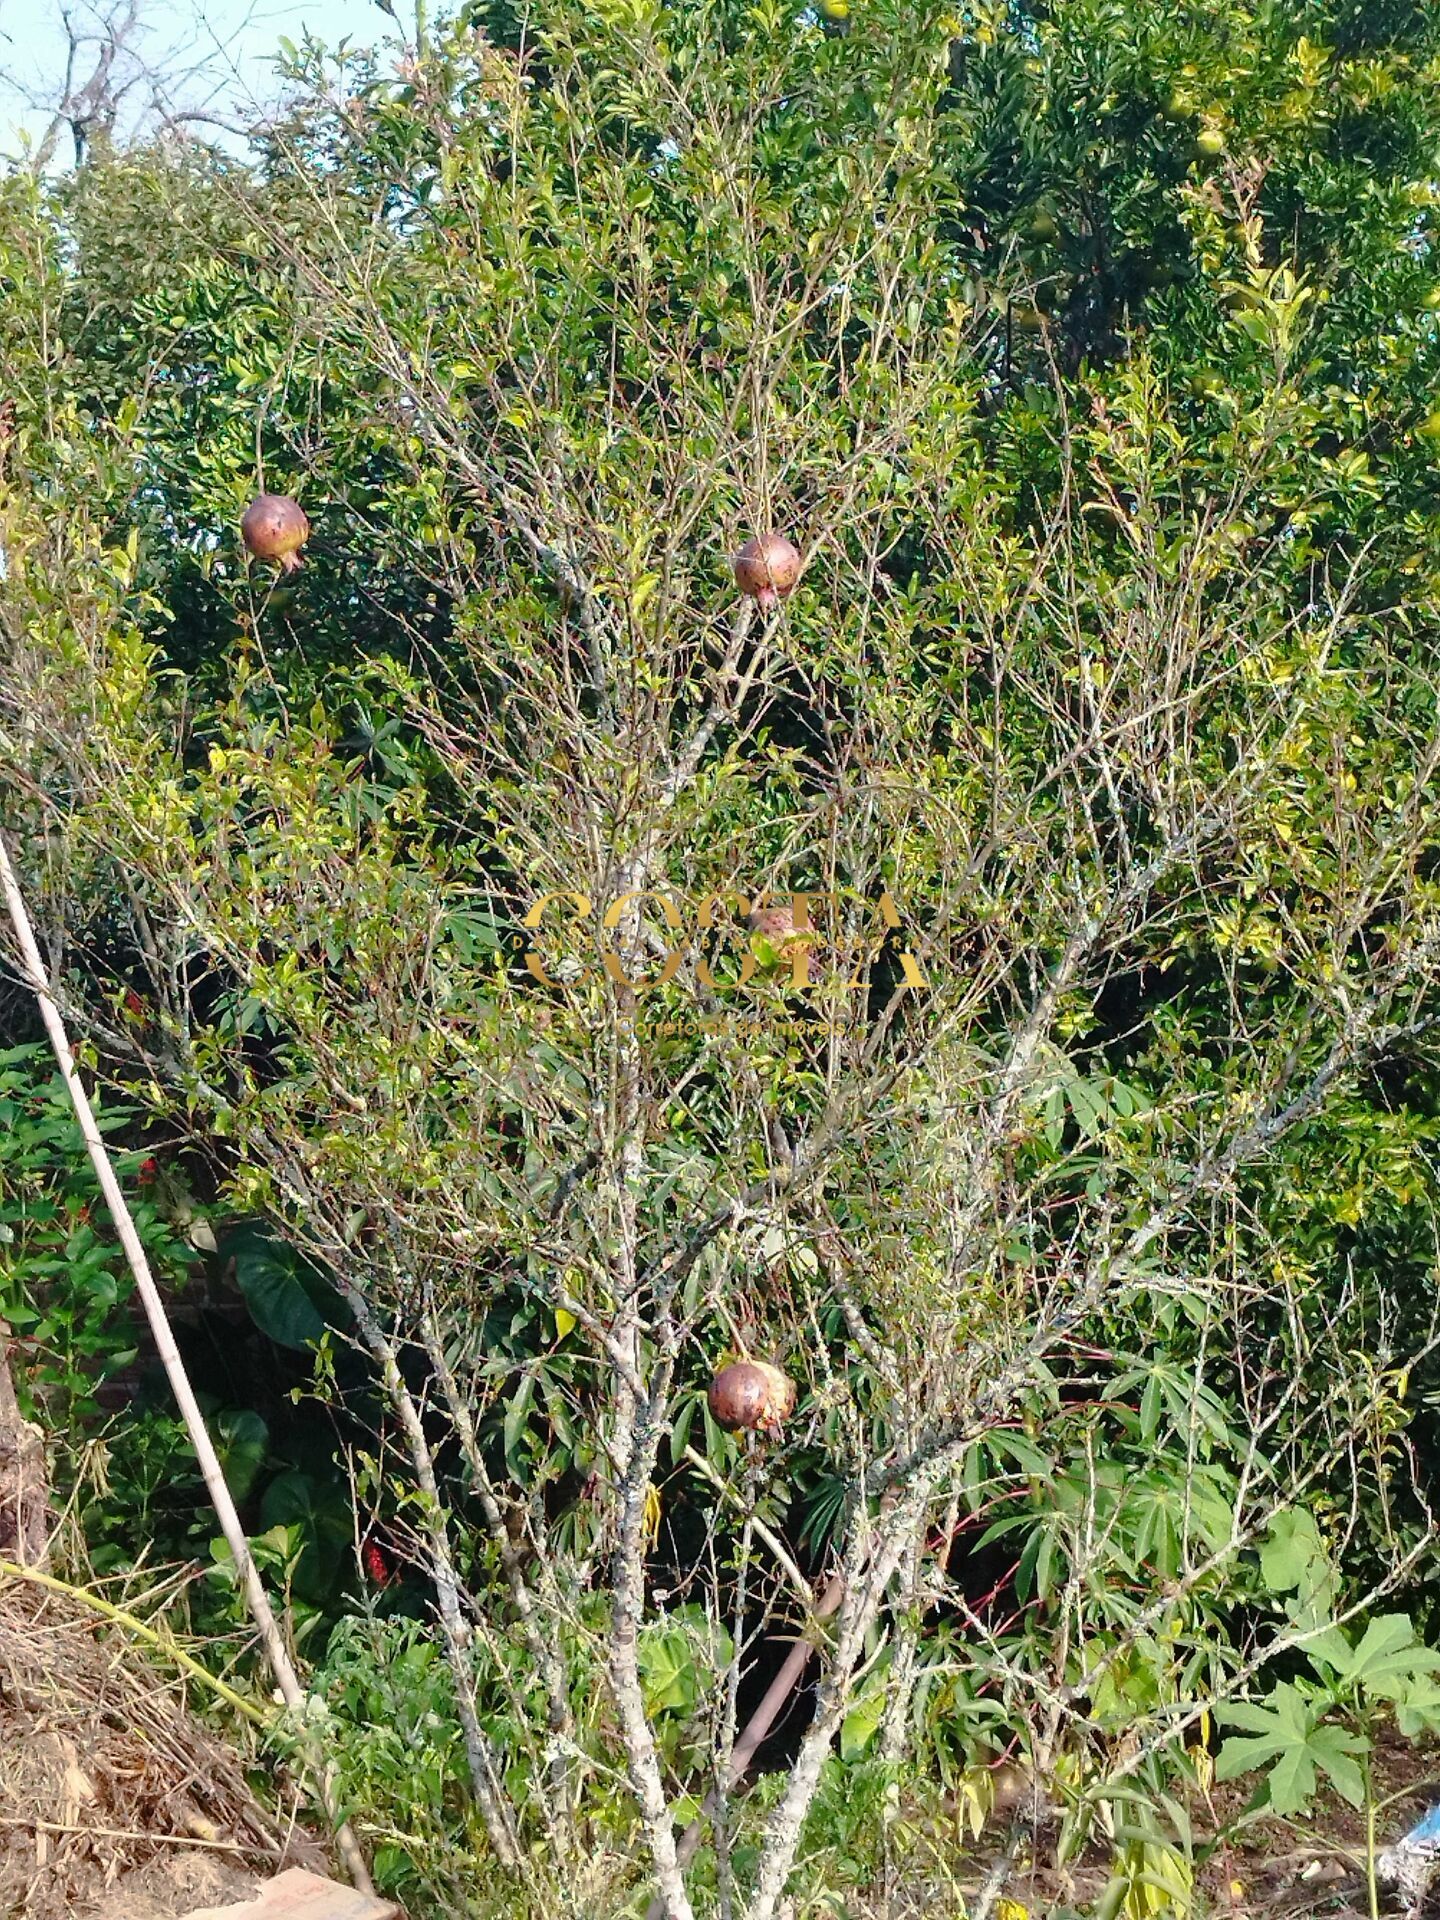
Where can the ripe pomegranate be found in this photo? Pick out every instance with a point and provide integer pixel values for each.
(792, 939)
(751, 1396)
(777, 924)
(275, 528)
(766, 569)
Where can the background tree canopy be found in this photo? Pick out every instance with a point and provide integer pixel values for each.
(1079, 1168)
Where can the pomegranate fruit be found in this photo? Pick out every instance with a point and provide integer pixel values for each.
(777, 924)
(792, 939)
(766, 569)
(751, 1396)
(275, 528)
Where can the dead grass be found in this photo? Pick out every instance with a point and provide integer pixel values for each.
(107, 1778)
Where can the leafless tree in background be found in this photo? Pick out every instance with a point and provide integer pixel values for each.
(104, 70)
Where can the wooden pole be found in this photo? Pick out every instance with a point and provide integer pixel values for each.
(255, 1596)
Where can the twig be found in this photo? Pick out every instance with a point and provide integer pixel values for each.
(759, 1724)
(783, 1559)
(129, 1833)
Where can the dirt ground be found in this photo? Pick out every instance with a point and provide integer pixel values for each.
(1273, 1870)
(173, 1883)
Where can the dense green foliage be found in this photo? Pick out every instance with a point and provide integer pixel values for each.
(1089, 352)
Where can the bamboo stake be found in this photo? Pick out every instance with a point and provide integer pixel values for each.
(256, 1598)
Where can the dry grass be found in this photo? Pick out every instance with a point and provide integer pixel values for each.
(106, 1774)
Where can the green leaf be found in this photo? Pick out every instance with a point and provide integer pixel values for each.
(241, 1441)
(667, 1670)
(1419, 1710)
(861, 1723)
(1388, 1658)
(1331, 1749)
(680, 1427)
(281, 1289)
(516, 1415)
(320, 1514)
(1286, 1737)
(1087, 1106)
(1292, 1781)
(1289, 1549)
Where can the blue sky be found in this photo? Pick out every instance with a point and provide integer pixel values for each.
(231, 41)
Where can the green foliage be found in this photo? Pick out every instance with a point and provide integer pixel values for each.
(65, 1287)
(1090, 351)
(1286, 1736)
(289, 1299)
(1151, 1875)
(1305, 1727)
(398, 1747)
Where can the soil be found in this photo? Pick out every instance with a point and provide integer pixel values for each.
(173, 1884)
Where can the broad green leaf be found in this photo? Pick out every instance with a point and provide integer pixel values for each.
(281, 1289)
(1289, 1549)
(241, 1440)
(861, 1723)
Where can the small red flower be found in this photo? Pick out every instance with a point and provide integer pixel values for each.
(134, 1005)
(149, 1171)
(376, 1564)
